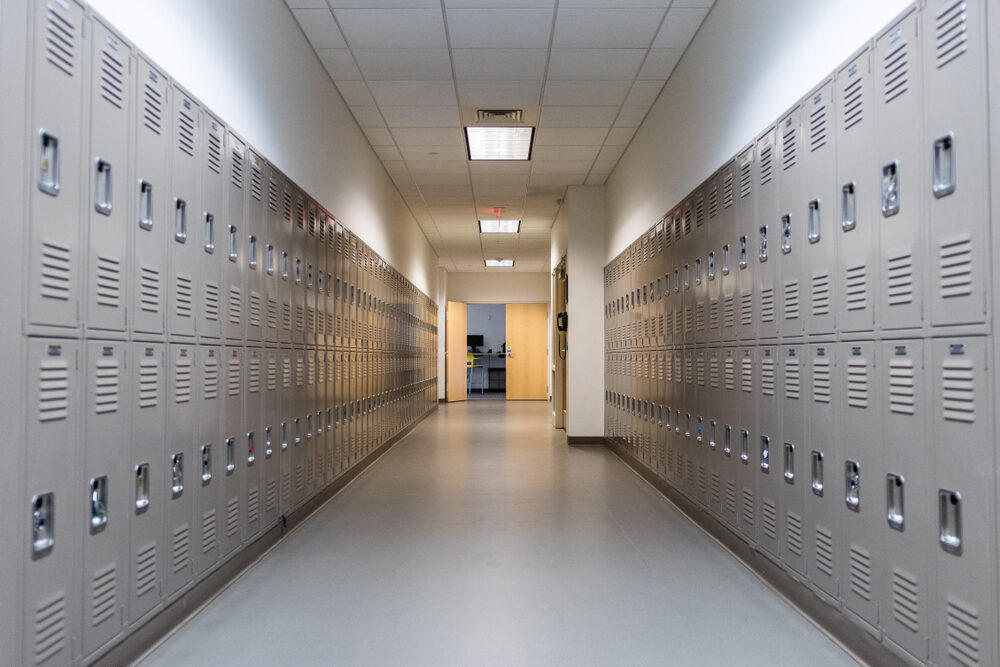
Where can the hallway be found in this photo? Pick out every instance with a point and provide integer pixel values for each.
(482, 539)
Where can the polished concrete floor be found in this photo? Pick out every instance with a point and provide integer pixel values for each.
(482, 539)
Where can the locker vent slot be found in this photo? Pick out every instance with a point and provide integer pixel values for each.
(253, 505)
(746, 180)
(746, 375)
(963, 632)
(856, 290)
(905, 600)
(215, 152)
(770, 519)
(713, 317)
(112, 80)
(272, 373)
(56, 271)
(50, 627)
(270, 496)
(727, 189)
(235, 305)
(286, 315)
(211, 302)
(900, 280)
(902, 387)
(103, 595)
(861, 572)
(256, 181)
(149, 290)
(748, 507)
(254, 309)
(208, 531)
(716, 491)
(730, 373)
(793, 529)
(272, 195)
(286, 373)
(182, 380)
(958, 390)
(233, 516)
(145, 570)
(767, 377)
(272, 313)
(311, 320)
(106, 386)
(853, 104)
(53, 390)
(299, 318)
(817, 129)
(254, 375)
(955, 261)
(233, 378)
(821, 380)
(211, 379)
(895, 73)
(821, 294)
(688, 370)
(152, 109)
(185, 132)
(792, 378)
(108, 281)
(309, 473)
(299, 369)
(766, 165)
(700, 372)
(951, 33)
(789, 145)
(792, 300)
(149, 383)
(236, 171)
(730, 498)
(60, 41)
(767, 304)
(299, 478)
(857, 383)
(185, 299)
(181, 548)
(824, 551)
(746, 309)
(699, 212)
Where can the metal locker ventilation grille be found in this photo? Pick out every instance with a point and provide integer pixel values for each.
(103, 594)
(112, 79)
(791, 300)
(766, 164)
(817, 129)
(715, 489)
(958, 390)
(254, 374)
(181, 548)
(182, 380)
(746, 180)
(236, 167)
(792, 378)
(145, 569)
(746, 309)
(272, 313)
(286, 487)
(233, 516)
(149, 289)
(286, 372)
(50, 627)
(669, 366)
(789, 147)
(856, 290)
(300, 219)
(902, 387)
(767, 376)
(699, 317)
(208, 531)
(272, 195)
(60, 40)
(821, 380)
(900, 280)
(211, 379)
(895, 73)
(747, 375)
(713, 316)
(963, 633)
(53, 390)
(853, 105)
(149, 383)
(256, 181)
(309, 472)
(106, 386)
(215, 151)
(793, 530)
(767, 304)
(184, 302)
(253, 505)
(699, 212)
(300, 318)
(861, 572)
(286, 315)
(688, 370)
(730, 498)
(288, 205)
(152, 108)
(233, 377)
(824, 551)
(748, 507)
(211, 302)
(254, 309)
(955, 262)
(700, 371)
(905, 600)
(108, 281)
(311, 321)
(56, 271)
(270, 496)
(185, 130)
(951, 33)
(729, 311)
(677, 235)
(321, 369)
(687, 224)
(300, 368)
(821, 294)
(272, 373)
(857, 383)
(299, 478)
(730, 373)
(235, 305)
(769, 522)
(727, 189)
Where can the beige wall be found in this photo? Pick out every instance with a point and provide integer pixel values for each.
(500, 287)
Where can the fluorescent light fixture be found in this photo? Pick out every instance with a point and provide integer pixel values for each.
(499, 143)
(499, 262)
(499, 226)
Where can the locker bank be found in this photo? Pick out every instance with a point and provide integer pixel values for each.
(231, 235)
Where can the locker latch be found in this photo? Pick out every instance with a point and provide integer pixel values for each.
(141, 487)
(789, 463)
(102, 186)
(284, 435)
(711, 266)
(849, 207)
(944, 165)
(177, 474)
(206, 464)
(852, 485)
(711, 434)
(297, 430)
(765, 453)
(209, 233)
(98, 502)
(230, 455)
(698, 433)
(894, 501)
(762, 250)
(268, 447)
(180, 220)
(744, 446)
(252, 263)
(817, 473)
(145, 205)
(890, 189)
(950, 521)
(251, 456)
(48, 163)
(42, 522)
(234, 253)
(814, 227)
(786, 233)
(743, 252)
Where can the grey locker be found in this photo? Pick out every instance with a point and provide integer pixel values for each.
(955, 122)
(287, 407)
(744, 254)
(789, 233)
(339, 462)
(111, 96)
(207, 467)
(307, 410)
(103, 520)
(906, 587)
(184, 202)
(964, 486)
(766, 228)
(699, 425)
(146, 491)
(269, 447)
(209, 223)
(232, 468)
(286, 260)
(790, 456)
(339, 284)
(296, 417)
(150, 201)
(319, 422)
(256, 251)
(177, 466)
(331, 415)
(271, 255)
(862, 482)
(57, 146)
(310, 270)
(858, 242)
(902, 166)
(712, 432)
(745, 438)
(728, 248)
(319, 283)
(49, 574)
(299, 262)
(235, 236)
(711, 257)
(767, 453)
(332, 280)
(729, 415)
(252, 442)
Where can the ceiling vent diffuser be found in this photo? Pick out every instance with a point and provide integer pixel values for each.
(500, 115)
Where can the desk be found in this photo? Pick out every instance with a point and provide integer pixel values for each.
(494, 370)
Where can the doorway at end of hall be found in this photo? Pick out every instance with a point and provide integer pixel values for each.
(486, 351)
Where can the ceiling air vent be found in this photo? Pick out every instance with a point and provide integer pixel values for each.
(500, 115)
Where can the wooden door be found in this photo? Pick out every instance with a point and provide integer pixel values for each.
(527, 353)
(454, 352)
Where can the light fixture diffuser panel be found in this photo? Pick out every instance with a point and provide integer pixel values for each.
(499, 143)
(499, 262)
(499, 226)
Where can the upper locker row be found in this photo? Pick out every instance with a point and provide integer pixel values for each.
(863, 209)
(148, 216)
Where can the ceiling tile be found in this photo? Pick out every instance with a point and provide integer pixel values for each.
(447, 195)
(577, 116)
(504, 94)
(395, 167)
(413, 93)
(404, 64)
(499, 179)
(566, 93)
(515, 4)
(392, 28)
(385, 4)
(609, 28)
(368, 116)
(428, 136)
(612, 153)
(320, 28)
(660, 63)
(564, 153)
(644, 93)
(561, 167)
(575, 136)
(387, 153)
(379, 136)
(339, 64)
(594, 64)
(606, 166)
(617, 3)
(556, 180)
(438, 166)
(355, 93)
(500, 167)
(499, 28)
(424, 178)
(306, 4)
(499, 64)
(416, 116)
(435, 154)
(693, 3)
(631, 116)
(679, 27)
(619, 136)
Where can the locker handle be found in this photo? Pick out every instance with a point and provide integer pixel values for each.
(329, 419)
(297, 430)
(252, 263)
(48, 163)
(141, 487)
(98, 502)
(852, 485)
(744, 446)
(270, 260)
(230, 455)
(309, 426)
(177, 474)
(284, 435)
(725, 259)
(848, 207)
(42, 522)
(180, 220)
(102, 186)
(206, 464)
(786, 233)
(814, 223)
(687, 425)
(698, 432)
(765, 453)
(762, 250)
(817, 473)
(789, 463)
(145, 205)
(234, 253)
(944, 165)
(890, 189)
(743, 252)
(209, 233)
(950, 521)
(711, 434)
(251, 457)
(711, 266)
(268, 447)
(894, 501)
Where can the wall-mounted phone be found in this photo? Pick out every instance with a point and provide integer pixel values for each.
(562, 321)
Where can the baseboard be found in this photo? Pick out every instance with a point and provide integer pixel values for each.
(576, 440)
(146, 636)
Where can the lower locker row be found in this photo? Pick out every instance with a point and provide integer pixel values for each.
(864, 469)
(150, 464)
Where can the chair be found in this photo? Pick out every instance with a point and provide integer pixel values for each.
(470, 367)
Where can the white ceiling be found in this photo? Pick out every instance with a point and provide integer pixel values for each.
(588, 70)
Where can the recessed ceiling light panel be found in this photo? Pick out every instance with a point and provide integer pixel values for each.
(499, 143)
(499, 226)
(499, 262)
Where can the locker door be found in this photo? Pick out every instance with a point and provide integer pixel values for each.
(340, 413)
(899, 108)
(58, 145)
(271, 255)
(330, 416)
(823, 469)
(744, 442)
(744, 255)
(319, 253)
(146, 489)
(728, 247)
(150, 196)
(699, 250)
(51, 584)
(955, 121)
(817, 209)
(104, 519)
(208, 466)
(729, 430)
(713, 426)
(287, 408)
(319, 423)
(184, 255)
(176, 463)
(253, 442)
(286, 259)
(307, 411)
(299, 268)
(907, 584)
(790, 457)
(311, 240)
(964, 472)
(767, 452)
(332, 281)
(711, 256)
(269, 441)
(297, 426)
(211, 233)
(699, 425)
(766, 229)
(232, 462)
(107, 206)
(236, 239)
(863, 475)
(858, 198)
(789, 234)
(256, 251)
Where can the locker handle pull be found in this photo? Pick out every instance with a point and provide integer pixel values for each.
(206, 464)
(48, 163)
(786, 233)
(177, 474)
(762, 249)
(98, 502)
(848, 207)
(852, 485)
(252, 263)
(765, 453)
(141, 487)
(102, 186)
(950, 521)
(817, 473)
(251, 457)
(209, 233)
(789, 463)
(268, 447)
(145, 205)
(944, 166)
(814, 226)
(180, 220)
(284, 435)
(894, 501)
(890, 189)
(42, 522)
(744, 446)
(234, 253)
(297, 424)
(743, 252)
(230, 455)
(711, 434)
